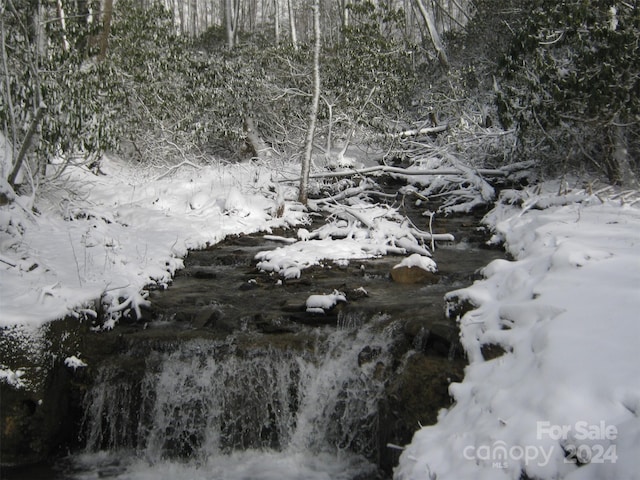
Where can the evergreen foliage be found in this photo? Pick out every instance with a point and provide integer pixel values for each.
(47, 68)
(571, 78)
(564, 76)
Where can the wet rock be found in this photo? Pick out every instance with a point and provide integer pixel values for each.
(414, 398)
(356, 294)
(368, 354)
(491, 350)
(34, 419)
(251, 284)
(205, 273)
(410, 275)
(207, 318)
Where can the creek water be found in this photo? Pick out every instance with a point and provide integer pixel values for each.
(231, 378)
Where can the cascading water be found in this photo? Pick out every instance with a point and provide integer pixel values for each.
(241, 409)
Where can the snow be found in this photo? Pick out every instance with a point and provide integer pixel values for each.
(74, 362)
(322, 303)
(565, 310)
(419, 261)
(107, 237)
(12, 377)
(359, 231)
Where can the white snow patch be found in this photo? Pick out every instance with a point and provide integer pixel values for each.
(322, 303)
(12, 377)
(74, 362)
(419, 261)
(567, 390)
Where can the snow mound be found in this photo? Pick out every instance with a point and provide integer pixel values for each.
(419, 261)
(563, 401)
(358, 231)
(322, 303)
(105, 238)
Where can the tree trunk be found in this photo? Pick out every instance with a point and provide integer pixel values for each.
(617, 162)
(345, 14)
(106, 29)
(277, 21)
(63, 25)
(6, 93)
(230, 23)
(194, 17)
(26, 145)
(259, 148)
(313, 114)
(292, 25)
(427, 16)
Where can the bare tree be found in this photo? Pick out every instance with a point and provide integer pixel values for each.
(427, 16)
(107, 15)
(292, 25)
(344, 11)
(231, 14)
(276, 20)
(313, 113)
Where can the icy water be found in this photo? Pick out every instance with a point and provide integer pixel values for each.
(233, 379)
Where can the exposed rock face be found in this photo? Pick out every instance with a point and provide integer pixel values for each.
(414, 398)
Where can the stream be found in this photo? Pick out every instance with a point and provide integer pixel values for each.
(229, 377)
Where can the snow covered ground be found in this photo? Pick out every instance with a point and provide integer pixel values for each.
(565, 310)
(109, 236)
(563, 402)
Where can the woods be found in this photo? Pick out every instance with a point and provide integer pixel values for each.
(175, 81)
(336, 145)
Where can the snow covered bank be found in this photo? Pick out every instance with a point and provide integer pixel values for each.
(564, 400)
(109, 236)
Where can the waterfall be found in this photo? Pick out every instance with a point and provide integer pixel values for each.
(224, 405)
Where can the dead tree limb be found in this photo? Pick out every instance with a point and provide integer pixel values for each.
(419, 131)
(409, 172)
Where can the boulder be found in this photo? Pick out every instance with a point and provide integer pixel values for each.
(415, 269)
(410, 275)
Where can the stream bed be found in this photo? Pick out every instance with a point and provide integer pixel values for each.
(230, 377)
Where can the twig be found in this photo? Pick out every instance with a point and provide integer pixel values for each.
(175, 167)
(8, 262)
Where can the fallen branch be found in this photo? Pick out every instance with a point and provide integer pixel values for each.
(419, 131)
(489, 172)
(5, 261)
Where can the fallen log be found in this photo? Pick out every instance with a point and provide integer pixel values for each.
(419, 131)
(488, 172)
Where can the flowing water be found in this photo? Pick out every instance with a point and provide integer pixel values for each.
(232, 410)
(232, 379)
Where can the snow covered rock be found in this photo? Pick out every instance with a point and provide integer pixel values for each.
(415, 269)
(74, 362)
(324, 302)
